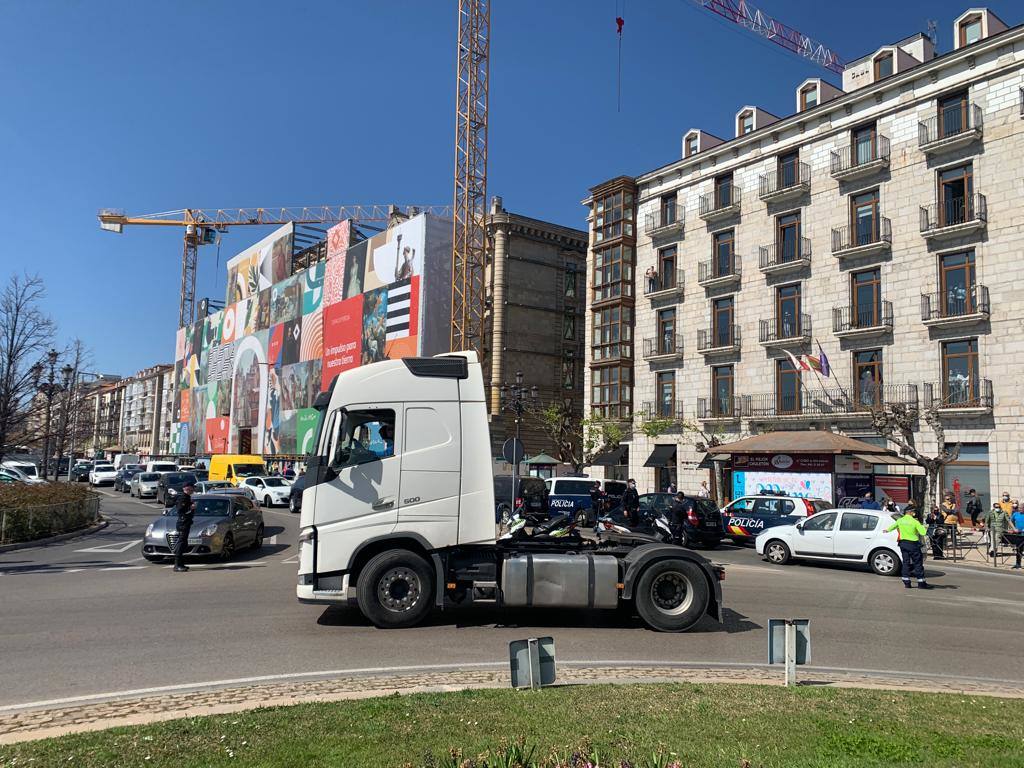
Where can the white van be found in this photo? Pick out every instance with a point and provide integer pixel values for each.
(161, 466)
(122, 460)
(27, 468)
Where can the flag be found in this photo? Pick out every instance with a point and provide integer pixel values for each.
(812, 362)
(826, 369)
(798, 365)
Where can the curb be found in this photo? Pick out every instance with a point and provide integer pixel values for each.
(54, 539)
(985, 569)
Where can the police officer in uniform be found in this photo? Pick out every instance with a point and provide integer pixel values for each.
(185, 510)
(910, 532)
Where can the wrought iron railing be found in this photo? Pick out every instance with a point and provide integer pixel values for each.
(813, 401)
(862, 316)
(778, 254)
(666, 280)
(950, 122)
(784, 179)
(849, 158)
(879, 230)
(950, 213)
(671, 215)
(959, 392)
(785, 328)
(661, 409)
(715, 269)
(718, 338)
(731, 407)
(720, 200)
(955, 302)
(663, 345)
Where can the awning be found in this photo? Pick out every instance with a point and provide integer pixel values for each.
(610, 458)
(542, 459)
(891, 460)
(661, 456)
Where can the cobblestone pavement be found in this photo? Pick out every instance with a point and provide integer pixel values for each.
(29, 724)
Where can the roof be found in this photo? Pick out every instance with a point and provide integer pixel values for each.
(542, 458)
(800, 441)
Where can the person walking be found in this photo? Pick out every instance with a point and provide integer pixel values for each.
(973, 507)
(631, 502)
(185, 510)
(703, 491)
(909, 531)
(997, 522)
(1017, 520)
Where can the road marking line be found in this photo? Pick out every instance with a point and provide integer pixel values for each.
(272, 540)
(122, 568)
(292, 559)
(289, 515)
(112, 549)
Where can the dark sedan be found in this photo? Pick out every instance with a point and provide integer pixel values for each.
(170, 485)
(80, 472)
(123, 478)
(295, 494)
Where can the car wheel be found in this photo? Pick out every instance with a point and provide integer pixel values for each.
(258, 541)
(504, 514)
(395, 589)
(267, 502)
(292, 506)
(776, 552)
(686, 540)
(884, 562)
(671, 595)
(227, 549)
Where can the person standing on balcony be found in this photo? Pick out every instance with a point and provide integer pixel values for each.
(652, 279)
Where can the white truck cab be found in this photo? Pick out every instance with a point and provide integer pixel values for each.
(399, 509)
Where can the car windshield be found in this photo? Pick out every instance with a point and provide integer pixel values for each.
(180, 478)
(213, 484)
(248, 470)
(574, 487)
(135, 467)
(615, 489)
(165, 467)
(274, 482)
(706, 506)
(150, 476)
(207, 508)
(104, 467)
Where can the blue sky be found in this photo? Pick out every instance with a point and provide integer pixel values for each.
(153, 107)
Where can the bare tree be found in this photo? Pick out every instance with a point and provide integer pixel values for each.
(896, 422)
(72, 430)
(578, 439)
(25, 333)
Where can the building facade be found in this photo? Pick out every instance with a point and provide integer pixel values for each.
(145, 414)
(875, 230)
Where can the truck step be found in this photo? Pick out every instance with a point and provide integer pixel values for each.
(485, 592)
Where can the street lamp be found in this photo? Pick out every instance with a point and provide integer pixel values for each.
(516, 398)
(49, 388)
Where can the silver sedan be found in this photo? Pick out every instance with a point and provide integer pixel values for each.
(222, 525)
(143, 485)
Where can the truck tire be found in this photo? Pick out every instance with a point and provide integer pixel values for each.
(671, 595)
(396, 589)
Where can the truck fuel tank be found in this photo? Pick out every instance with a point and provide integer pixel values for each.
(560, 581)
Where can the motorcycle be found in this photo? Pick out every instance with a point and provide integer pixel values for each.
(558, 527)
(654, 526)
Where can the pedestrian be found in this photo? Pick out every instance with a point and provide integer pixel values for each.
(973, 507)
(185, 510)
(631, 502)
(949, 504)
(868, 502)
(997, 522)
(937, 532)
(1005, 504)
(1017, 520)
(909, 532)
(703, 491)
(597, 499)
(652, 279)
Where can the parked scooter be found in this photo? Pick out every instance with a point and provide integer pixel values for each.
(558, 527)
(654, 527)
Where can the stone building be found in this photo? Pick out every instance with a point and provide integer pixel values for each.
(877, 226)
(144, 408)
(536, 314)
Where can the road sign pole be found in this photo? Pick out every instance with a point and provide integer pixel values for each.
(790, 654)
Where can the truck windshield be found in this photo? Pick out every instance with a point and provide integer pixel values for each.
(248, 470)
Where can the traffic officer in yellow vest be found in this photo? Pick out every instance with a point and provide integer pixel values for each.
(911, 532)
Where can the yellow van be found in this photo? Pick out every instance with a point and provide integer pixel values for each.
(235, 466)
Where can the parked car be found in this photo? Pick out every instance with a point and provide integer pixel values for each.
(27, 468)
(7, 476)
(13, 470)
(744, 518)
(143, 485)
(161, 466)
(842, 536)
(209, 486)
(698, 522)
(295, 493)
(236, 466)
(122, 460)
(80, 472)
(569, 495)
(102, 473)
(170, 484)
(223, 524)
(531, 494)
(123, 479)
(269, 490)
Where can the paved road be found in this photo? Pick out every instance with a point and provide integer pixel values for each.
(90, 616)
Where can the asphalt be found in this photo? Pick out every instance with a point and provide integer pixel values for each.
(89, 616)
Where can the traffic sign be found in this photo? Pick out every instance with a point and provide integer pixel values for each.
(512, 450)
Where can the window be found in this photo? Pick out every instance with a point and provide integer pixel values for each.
(667, 268)
(788, 170)
(970, 30)
(821, 522)
(721, 390)
(569, 371)
(666, 394)
(787, 311)
(958, 292)
(724, 244)
(866, 298)
(569, 283)
(611, 393)
(857, 521)
(808, 97)
(787, 387)
(864, 219)
(612, 333)
(613, 273)
(883, 65)
(692, 144)
(721, 321)
(787, 237)
(569, 326)
(723, 191)
(956, 186)
(960, 372)
(365, 436)
(667, 210)
(867, 377)
(953, 114)
(746, 122)
(666, 331)
(613, 216)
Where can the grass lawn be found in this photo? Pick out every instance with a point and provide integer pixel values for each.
(696, 725)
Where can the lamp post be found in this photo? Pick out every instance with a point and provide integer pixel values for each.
(516, 398)
(49, 388)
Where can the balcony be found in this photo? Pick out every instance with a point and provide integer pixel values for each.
(661, 284)
(668, 346)
(665, 222)
(820, 404)
(651, 411)
(718, 341)
(955, 127)
(711, 275)
(958, 216)
(857, 242)
(956, 306)
(776, 257)
(960, 396)
(720, 410)
(785, 332)
(870, 320)
(785, 183)
(720, 204)
(855, 162)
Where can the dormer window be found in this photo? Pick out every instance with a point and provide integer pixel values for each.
(970, 30)
(692, 145)
(808, 97)
(746, 122)
(883, 65)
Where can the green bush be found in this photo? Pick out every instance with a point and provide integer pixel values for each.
(30, 512)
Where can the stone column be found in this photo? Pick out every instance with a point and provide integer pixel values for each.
(498, 310)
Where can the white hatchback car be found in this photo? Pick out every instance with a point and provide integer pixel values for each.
(102, 474)
(842, 535)
(268, 491)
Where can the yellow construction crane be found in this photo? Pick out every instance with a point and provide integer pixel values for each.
(201, 226)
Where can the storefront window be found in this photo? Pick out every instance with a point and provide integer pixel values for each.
(970, 470)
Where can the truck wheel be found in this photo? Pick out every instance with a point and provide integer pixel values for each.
(671, 595)
(396, 589)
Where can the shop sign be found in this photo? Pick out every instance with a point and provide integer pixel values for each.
(783, 462)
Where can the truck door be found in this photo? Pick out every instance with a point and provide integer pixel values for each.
(431, 469)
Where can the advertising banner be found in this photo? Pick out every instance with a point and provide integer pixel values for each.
(306, 422)
(217, 430)
(783, 462)
(342, 333)
(896, 487)
(800, 484)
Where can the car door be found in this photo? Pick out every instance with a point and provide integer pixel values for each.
(855, 535)
(815, 536)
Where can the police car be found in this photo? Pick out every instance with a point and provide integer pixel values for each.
(744, 518)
